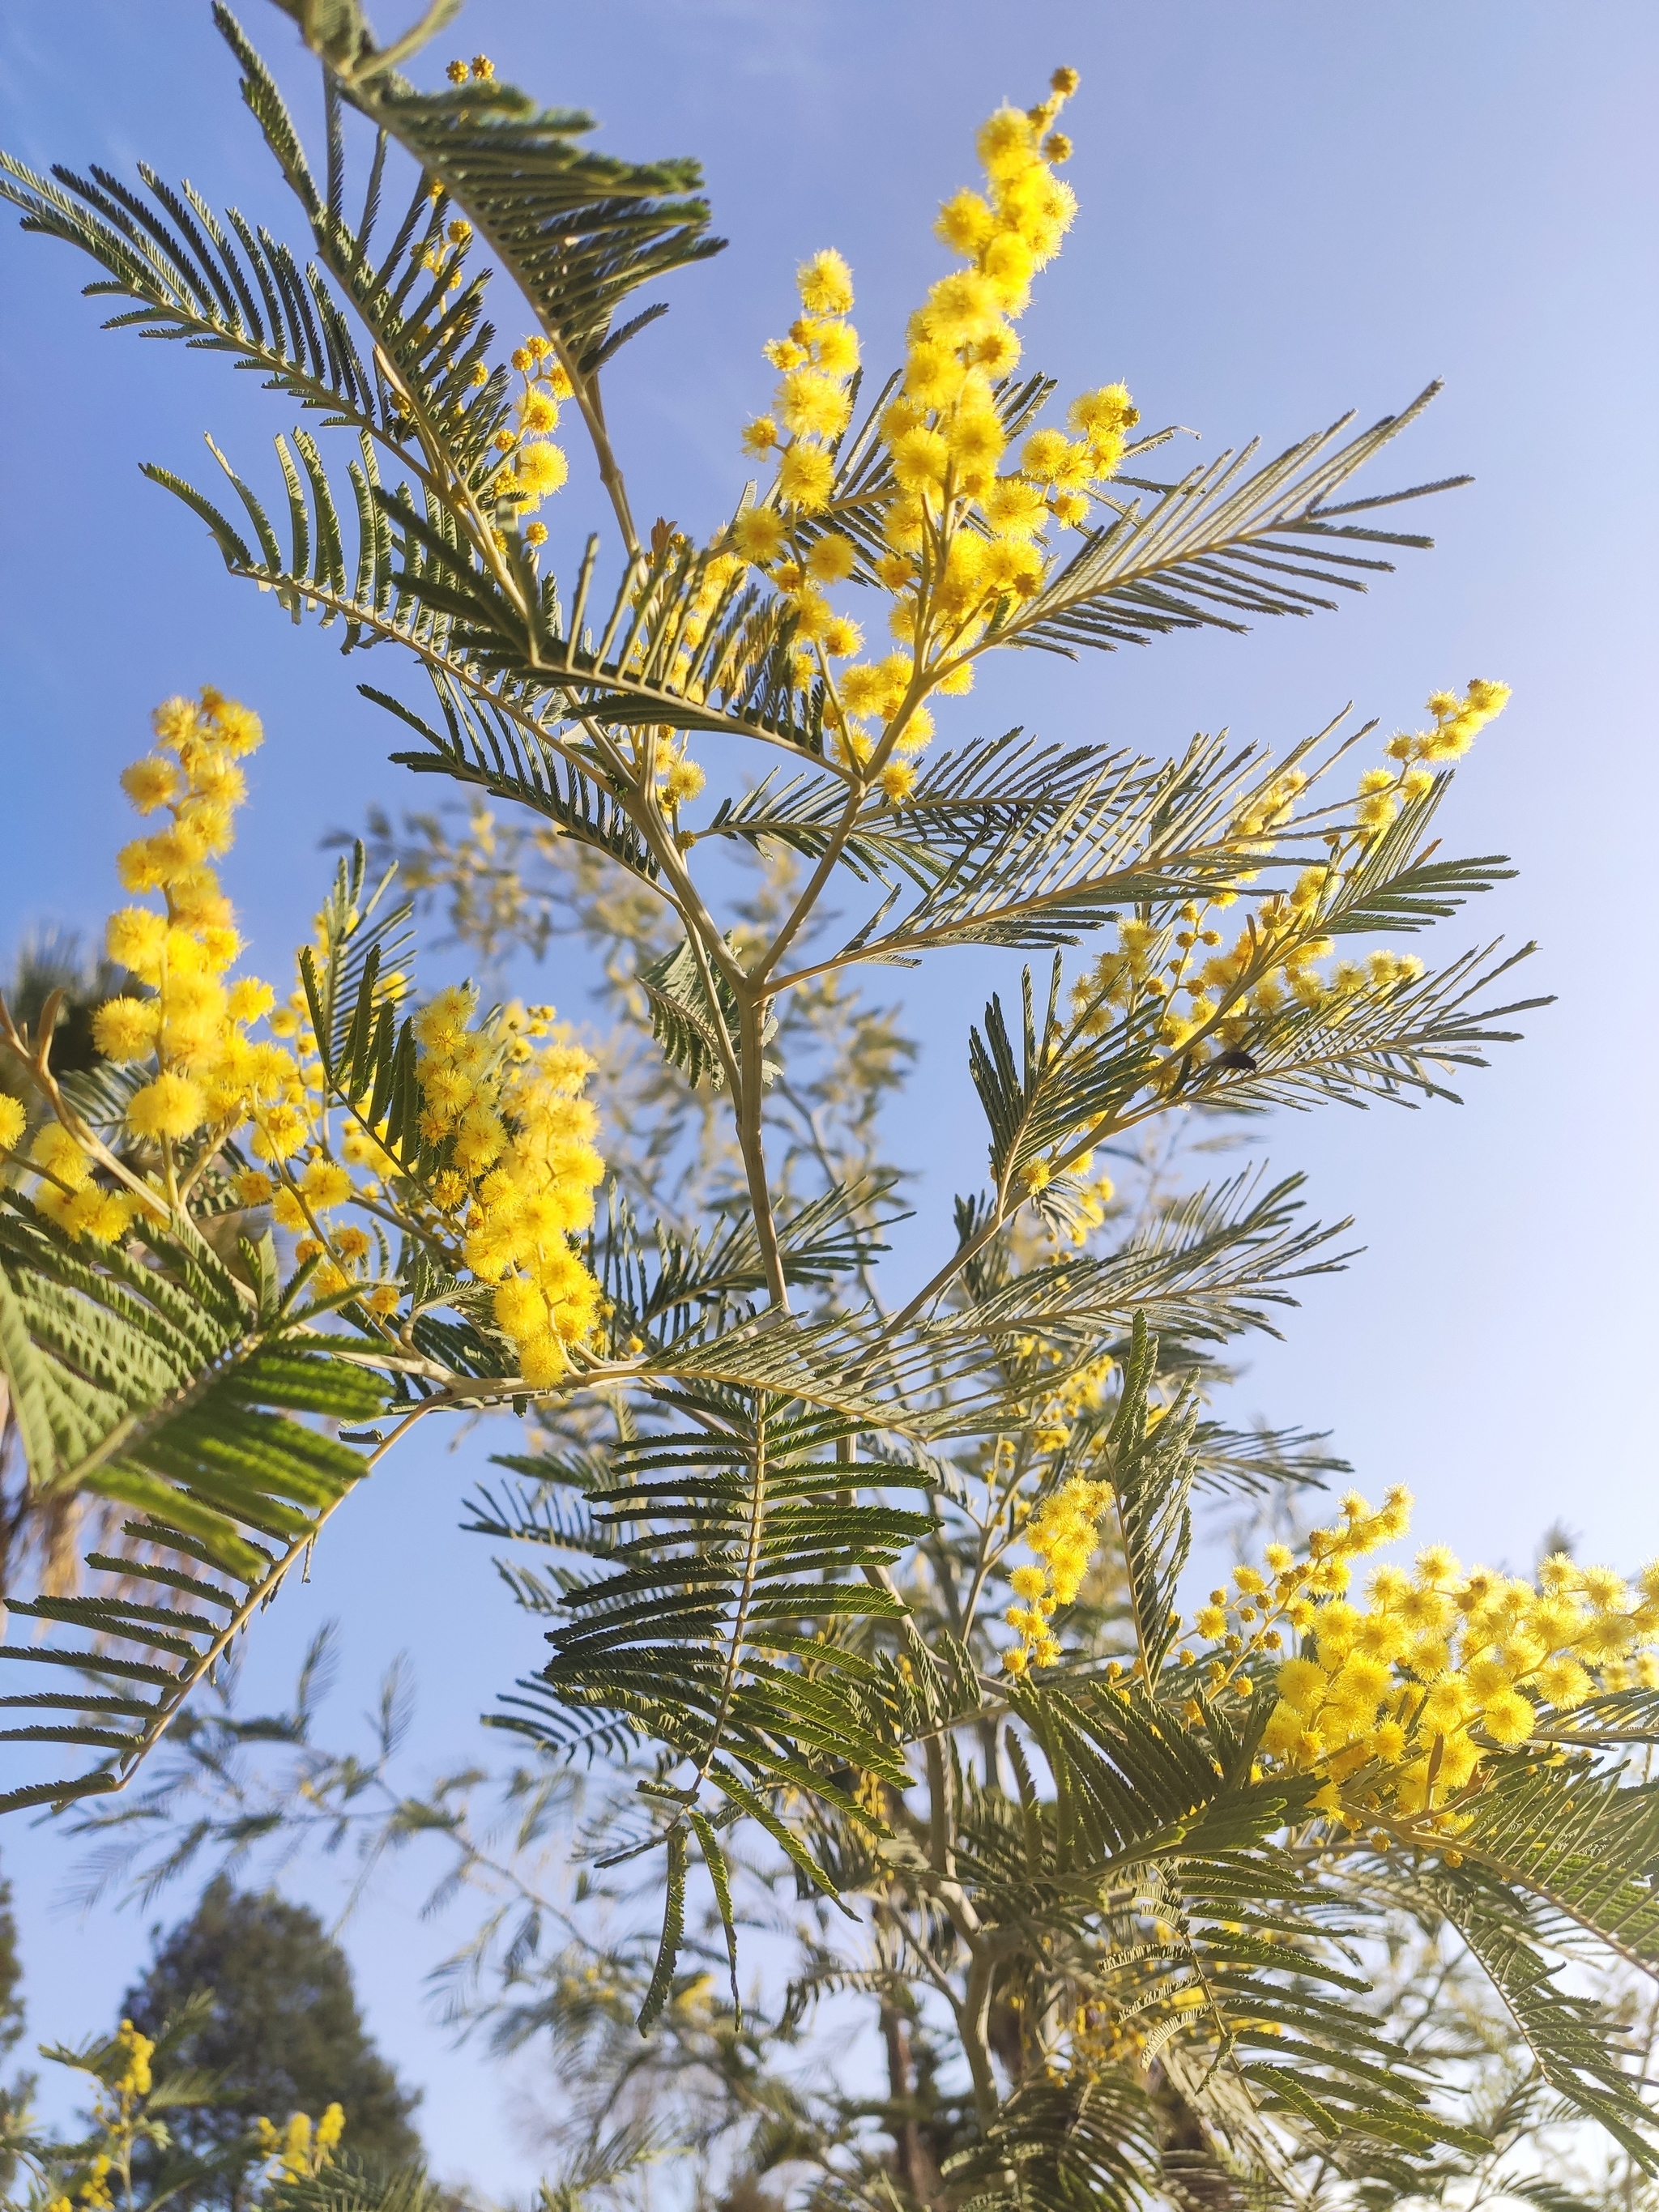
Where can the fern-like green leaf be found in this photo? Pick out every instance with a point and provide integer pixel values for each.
(162, 1385)
(727, 1546)
(1222, 544)
(578, 231)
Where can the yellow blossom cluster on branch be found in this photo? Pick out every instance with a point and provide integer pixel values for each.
(963, 532)
(1064, 1534)
(505, 1178)
(117, 2114)
(1272, 961)
(538, 468)
(210, 1075)
(136, 2049)
(516, 1136)
(1397, 1702)
(1089, 1195)
(1392, 1705)
(299, 2151)
(186, 1027)
(1457, 721)
(444, 257)
(500, 1182)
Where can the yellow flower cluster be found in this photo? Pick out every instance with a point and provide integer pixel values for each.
(189, 1030)
(1063, 1534)
(66, 1191)
(1273, 961)
(511, 1183)
(518, 1169)
(817, 362)
(126, 2084)
(1049, 1427)
(1457, 724)
(679, 777)
(1397, 1702)
(137, 2050)
(300, 2151)
(538, 468)
(1230, 993)
(962, 537)
(509, 1168)
(445, 258)
(93, 2191)
(1090, 1197)
(302, 1182)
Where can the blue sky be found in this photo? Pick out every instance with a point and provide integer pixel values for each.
(1288, 209)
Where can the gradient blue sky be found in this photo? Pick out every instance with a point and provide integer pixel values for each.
(1289, 210)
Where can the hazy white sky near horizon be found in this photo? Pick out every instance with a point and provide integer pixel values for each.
(1288, 208)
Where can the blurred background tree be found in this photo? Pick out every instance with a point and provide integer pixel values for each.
(285, 2035)
(13, 2094)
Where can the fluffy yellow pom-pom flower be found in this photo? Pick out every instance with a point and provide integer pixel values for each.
(540, 470)
(126, 1028)
(326, 1184)
(806, 478)
(759, 534)
(825, 284)
(150, 782)
(170, 1107)
(830, 561)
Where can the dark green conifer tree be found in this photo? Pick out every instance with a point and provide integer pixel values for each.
(13, 2094)
(285, 2034)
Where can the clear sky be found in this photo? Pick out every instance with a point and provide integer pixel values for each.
(1288, 209)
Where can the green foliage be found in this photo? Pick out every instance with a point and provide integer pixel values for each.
(50, 968)
(128, 2153)
(348, 2184)
(579, 231)
(11, 1975)
(14, 2094)
(769, 1519)
(159, 1381)
(282, 2032)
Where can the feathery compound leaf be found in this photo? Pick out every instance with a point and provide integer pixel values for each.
(696, 1028)
(719, 1876)
(354, 993)
(150, 1385)
(1150, 1468)
(673, 1930)
(1216, 546)
(578, 231)
(1571, 2036)
(706, 1283)
(347, 2185)
(1132, 1784)
(964, 802)
(483, 747)
(1574, 1841)
(1617, 1716)
(1212, 1269)
(727, 1547)
(1082, 2142)
(1066, 844)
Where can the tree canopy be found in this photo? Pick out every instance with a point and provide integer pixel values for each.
(870, 1609)
(284, 2033)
